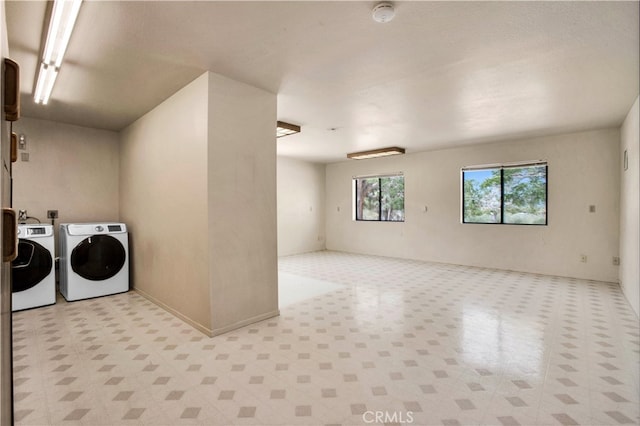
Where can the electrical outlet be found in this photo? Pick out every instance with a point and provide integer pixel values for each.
(22, 215)
(583, 258)
(52, 214)
(616, 260)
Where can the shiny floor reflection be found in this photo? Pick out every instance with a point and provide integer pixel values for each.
(381, 341)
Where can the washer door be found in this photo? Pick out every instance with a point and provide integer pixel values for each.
(32, 265)
(98, 257)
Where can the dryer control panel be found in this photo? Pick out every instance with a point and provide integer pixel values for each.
(93, 228)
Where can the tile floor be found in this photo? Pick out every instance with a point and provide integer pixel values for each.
(378, 341)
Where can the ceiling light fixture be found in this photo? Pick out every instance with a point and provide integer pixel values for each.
(63, 18)
(286, 129)
(383, 152)
(383, 12)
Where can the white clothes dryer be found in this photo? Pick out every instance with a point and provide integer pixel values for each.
(33, 273)
(94, 260)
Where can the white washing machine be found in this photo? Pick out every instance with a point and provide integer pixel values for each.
(94, 260)
(33, 272)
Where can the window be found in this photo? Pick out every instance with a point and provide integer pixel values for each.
(380, 198)
(513, 194)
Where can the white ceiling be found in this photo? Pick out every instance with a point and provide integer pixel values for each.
(440, 74)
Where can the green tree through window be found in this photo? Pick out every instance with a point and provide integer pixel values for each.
(505, 195)
(380, 198)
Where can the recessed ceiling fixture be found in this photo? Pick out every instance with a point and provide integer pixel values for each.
(383, 12)
(382, 152)
(63, 18)
(286, 129)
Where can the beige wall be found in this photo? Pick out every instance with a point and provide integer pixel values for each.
(197, 180)
(583, 171)
(71, 169)
(301, 207)
(242, 204)
(630, 209)
(163, 198)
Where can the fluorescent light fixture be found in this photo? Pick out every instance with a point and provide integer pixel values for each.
(383, 152)
(63, 18)
(286, 129)
(46, 78)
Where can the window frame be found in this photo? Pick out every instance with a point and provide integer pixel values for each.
(502, 167)
(354, 183)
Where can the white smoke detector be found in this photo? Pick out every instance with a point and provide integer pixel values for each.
(383, 12)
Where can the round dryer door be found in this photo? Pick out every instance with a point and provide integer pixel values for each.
(98, 257)
(32, 265)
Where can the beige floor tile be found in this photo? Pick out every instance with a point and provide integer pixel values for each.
(360, 338)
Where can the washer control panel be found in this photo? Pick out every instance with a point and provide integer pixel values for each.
(37, 230)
